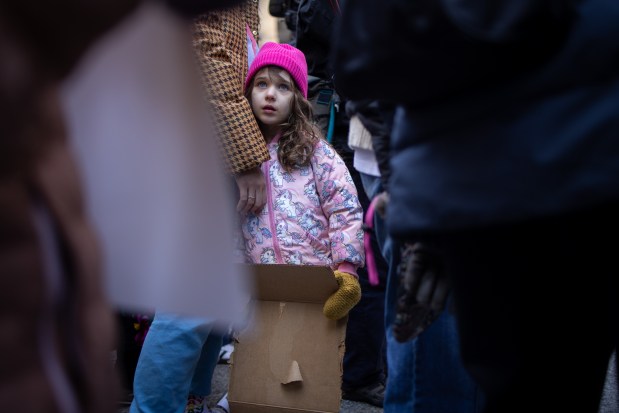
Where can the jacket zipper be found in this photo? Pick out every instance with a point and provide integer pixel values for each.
(270, 205)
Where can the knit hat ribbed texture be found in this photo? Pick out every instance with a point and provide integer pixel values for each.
(285, 56)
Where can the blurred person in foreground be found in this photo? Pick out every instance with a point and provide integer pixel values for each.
(178, 358)
(57, 326)
(57, 322)
(505, 157)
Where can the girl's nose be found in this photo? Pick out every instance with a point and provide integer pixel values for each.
(271, 92)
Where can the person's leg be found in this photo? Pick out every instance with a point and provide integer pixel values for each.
(200, 386)
(441, 383)
(399, 393)
(167, 364)
(536, 305)
(425, 375)
(201, 383)
(363, 376)
(400, 356)
(127, 353)
(610, 398)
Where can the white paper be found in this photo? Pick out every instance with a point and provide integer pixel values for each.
(154, 184)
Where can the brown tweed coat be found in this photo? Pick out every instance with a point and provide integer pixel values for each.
(220, 40)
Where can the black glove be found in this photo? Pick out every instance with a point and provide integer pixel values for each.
(423, 291)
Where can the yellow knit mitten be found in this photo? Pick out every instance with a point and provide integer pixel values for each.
(345, 298)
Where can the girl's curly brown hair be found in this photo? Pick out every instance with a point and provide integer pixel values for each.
(299, 133)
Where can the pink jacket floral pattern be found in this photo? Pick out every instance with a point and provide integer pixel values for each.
(312, 216)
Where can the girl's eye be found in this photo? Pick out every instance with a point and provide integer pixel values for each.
(261, 84)
(284, 87)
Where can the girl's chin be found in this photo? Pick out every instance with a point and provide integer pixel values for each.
(270, 122)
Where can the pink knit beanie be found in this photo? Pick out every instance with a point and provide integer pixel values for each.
(285, 56)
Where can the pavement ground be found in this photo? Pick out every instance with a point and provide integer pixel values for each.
(609, 402)
(220, 386)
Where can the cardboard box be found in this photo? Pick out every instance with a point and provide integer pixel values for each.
(289, 357)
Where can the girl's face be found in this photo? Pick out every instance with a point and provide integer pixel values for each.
(271, 96)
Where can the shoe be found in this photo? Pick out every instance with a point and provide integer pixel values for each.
(225, 353)
(196, 404)
(373, 394)
(222, 405)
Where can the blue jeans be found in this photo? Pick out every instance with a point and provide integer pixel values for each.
(426, 374)
(178, 359)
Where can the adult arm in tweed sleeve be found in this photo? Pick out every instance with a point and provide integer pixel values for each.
(221, 45)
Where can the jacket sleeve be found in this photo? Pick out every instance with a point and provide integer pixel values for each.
(223, 67)
(340, 204)
(381, 142)
(377, 118)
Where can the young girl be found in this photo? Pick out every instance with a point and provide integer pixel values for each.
(312, 214)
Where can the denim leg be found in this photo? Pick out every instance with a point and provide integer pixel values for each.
(401, 357)
(202, 378)
(442, 385)
(167, 363)
(425, 375)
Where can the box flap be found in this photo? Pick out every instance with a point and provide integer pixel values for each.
(297, 283)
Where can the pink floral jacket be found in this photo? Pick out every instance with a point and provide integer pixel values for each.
(312, 215)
